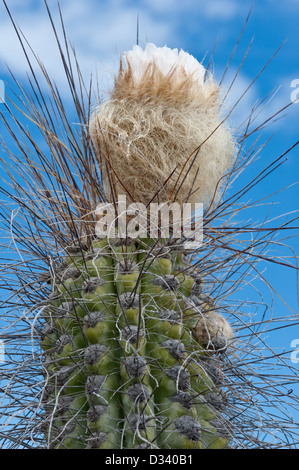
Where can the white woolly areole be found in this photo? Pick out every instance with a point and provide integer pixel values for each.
(165, 59)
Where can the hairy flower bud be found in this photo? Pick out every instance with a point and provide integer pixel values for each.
(160, 136)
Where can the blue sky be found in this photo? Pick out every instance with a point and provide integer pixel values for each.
(102, 30)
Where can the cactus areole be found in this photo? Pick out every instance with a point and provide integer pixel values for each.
(133, 342)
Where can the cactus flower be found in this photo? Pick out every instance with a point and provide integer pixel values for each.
(160, 136)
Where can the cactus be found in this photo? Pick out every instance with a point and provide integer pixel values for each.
(128, 349)
(133, 340)
(129, 330)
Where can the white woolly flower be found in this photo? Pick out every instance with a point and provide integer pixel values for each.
(160, 136)
(165, 59)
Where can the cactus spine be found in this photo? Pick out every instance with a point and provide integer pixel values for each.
(132, 334)
(123, 366)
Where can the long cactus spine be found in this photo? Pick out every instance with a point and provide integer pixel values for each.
(134, 342)
(123, 366)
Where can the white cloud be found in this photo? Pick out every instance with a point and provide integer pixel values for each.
(288, 118)
(100, 35)
(266, 105)
(204, 9)
(102, 30)
(224, 9)
(238, 102)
